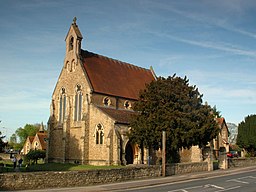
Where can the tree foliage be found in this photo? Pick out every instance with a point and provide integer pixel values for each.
(216, 112)
(172, 105)
(27, 130)
(13, 144)
(2, 143)
(246, 137)
(35, 155)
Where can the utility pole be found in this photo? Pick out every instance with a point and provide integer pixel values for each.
(163, 153)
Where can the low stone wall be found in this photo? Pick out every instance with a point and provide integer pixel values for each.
(42, 180)
(241, 162)
(182, 168)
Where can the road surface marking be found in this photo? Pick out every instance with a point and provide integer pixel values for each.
(214, 186)
(238, 181)
(247, 177)
(228, 189)
(185, 189)
(195, 187)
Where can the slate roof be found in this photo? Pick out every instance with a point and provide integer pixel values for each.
(120, 116)
(113, 77)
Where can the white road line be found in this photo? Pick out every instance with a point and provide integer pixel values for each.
(228, 189)
(185, 189)
(238, 181)
(218, 187)
(178, 190)
(251, 177)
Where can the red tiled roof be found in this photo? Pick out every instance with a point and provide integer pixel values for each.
(113, 77)
(220, 120)
(42, 138)
(31, 138)
(120, 116)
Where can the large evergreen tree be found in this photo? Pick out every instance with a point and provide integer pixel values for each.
(246, 137)
(172, 105)
(2, 143)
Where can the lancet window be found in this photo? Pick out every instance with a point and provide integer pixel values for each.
(99, 134)
(62, 105)
(78, 104)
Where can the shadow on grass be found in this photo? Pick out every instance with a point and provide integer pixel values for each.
(53, 167)
(66, 167)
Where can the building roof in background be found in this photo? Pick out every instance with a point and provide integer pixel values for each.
(31, 138)
(42, 138)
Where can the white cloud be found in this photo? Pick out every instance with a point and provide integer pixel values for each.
(215, 45)
(222, 14)
(224, 88)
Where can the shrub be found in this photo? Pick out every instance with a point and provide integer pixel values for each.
(35, 155)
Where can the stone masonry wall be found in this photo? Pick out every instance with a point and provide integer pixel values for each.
(43, 180)
(241, 162)
(182, 168)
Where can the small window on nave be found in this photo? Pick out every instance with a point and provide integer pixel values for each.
(106, 101)
(127, 105)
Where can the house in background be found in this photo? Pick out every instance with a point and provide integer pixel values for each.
(37, 142)
(219, 147)
(220, 143)
(27, 145)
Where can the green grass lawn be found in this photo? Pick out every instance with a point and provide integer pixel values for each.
(7, 166)
(66, 167)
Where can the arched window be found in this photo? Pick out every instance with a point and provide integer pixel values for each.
(106, 101)
(99, 134)
(71, 43)
(78, 103)
(73, 66)
(36, 145)
(62, 105)
(127, 105)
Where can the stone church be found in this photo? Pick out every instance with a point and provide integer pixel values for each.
(91, 108)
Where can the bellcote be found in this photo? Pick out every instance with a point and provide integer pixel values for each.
(73, 41)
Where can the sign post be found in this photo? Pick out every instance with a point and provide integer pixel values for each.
(163, 153)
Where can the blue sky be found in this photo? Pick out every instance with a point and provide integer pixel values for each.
(213, 43)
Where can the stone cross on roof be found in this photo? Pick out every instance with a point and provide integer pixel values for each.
(74, 21)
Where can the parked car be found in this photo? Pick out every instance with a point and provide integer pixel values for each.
(232, 154)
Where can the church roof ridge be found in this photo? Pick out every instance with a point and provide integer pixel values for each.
(116, 60)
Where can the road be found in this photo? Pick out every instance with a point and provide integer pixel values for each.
(235, 183)
(235, 180)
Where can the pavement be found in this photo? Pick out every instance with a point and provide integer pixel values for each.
(163, 180)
